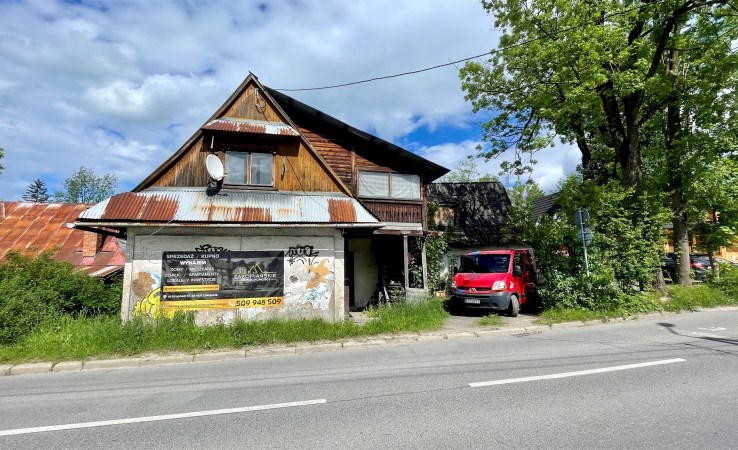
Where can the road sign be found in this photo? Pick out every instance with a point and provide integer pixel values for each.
(581, 217)
(585, 234)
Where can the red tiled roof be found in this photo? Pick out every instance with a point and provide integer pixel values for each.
(37, 227)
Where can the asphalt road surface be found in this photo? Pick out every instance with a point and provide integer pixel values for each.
(667, 383)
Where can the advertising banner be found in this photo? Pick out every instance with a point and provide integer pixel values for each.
(222, 280)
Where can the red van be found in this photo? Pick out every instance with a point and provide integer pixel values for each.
(499, 280)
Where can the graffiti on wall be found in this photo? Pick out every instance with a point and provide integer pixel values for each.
(210, 248)
(319, 287)
(150, 306)
(320, 273)
(147, 287)
(305, 254)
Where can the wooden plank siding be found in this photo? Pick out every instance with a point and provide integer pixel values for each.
(245, 107)
(303, 171)
(188, 171)
(348, 156)
(333, 151)
(387, 211)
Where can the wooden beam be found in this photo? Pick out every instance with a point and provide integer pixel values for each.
(405, 257)
(422, 259)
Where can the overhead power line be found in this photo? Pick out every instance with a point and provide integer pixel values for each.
(597, 21)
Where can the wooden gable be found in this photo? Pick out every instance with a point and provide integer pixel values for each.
(297, 166)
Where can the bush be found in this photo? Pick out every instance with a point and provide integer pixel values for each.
(728, 281)
(34, 289)
(596, 292)
(689, 298)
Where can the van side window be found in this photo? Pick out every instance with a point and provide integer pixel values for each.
(516, 261)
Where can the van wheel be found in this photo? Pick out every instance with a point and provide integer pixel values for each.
(514, 307)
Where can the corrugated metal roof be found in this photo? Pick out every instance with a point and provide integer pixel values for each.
(250, 126)
(37, 227)
(229, 206)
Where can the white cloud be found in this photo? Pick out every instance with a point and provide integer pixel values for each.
(552, 164)
(148, 74)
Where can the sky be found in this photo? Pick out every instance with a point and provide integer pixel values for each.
(119, 86)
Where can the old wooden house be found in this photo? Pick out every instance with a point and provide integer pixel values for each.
(271, 209)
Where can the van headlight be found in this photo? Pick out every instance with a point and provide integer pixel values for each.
(498, 286)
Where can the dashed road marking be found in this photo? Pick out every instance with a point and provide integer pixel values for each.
(577, 373)
(212, 412)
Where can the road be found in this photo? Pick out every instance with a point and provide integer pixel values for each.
(665, 383)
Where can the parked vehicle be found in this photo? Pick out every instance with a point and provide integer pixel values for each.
(498, 280)
(698, 262)
(724, 261)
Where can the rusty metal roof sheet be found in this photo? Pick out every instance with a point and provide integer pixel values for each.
(37, 227)
(250, 126)
(176, 205)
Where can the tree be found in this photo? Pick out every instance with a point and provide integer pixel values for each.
(616, 77)
(466, 171)
(86, 187)
(715, 194)
(36, 192)
(521, 226)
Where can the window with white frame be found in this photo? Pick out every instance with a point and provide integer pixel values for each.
(247, 168)
(389, 185)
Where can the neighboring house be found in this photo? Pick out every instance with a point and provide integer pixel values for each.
(38, 227)
(546, 205)
(311, 215)
(472, 215)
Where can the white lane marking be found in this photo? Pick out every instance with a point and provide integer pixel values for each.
(212, 412)
(576, 374)
(712, 329)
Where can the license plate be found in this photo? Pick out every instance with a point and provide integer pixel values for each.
(472, 300)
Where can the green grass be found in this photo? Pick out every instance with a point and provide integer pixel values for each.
(560, 315)
(84, 338)
(700, 296)
(681, 298)
(491, 320)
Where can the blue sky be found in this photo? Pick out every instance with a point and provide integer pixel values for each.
(119, 86)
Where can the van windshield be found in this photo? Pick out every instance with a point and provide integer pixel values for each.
(485, 264)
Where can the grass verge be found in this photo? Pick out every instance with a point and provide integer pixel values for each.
(82, 338)
(681, 298)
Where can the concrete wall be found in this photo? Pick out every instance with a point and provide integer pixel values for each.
(310, 287)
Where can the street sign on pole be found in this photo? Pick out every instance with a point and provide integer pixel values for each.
(581, 217)
(581, 220)
(585, 235)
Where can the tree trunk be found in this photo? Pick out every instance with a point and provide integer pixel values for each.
(715, 267)
(675, 154)
(682, 268)
(658, 283)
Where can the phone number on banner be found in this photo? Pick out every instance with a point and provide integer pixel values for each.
(233, 303)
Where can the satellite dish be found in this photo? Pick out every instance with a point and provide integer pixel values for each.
(214, 167)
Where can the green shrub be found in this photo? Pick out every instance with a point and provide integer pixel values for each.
(34, 289)
(690, 298)
(728, 282)
(597, 292)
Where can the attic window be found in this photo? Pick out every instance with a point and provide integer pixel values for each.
(389, 185)
(247, 168)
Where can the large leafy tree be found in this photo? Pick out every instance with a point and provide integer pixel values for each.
(714, 194)
(37, 192)
(616, 77)
(86, 187)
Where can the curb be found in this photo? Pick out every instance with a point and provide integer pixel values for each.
(304, 348)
